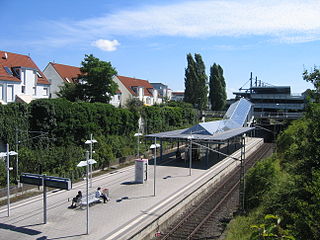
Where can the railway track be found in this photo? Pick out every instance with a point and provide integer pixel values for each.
(205, 219)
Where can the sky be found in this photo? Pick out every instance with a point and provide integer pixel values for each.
(149, 39)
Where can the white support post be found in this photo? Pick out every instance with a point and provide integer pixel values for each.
(87, 187)
(155, 165)
(91, 158)
(8, 180)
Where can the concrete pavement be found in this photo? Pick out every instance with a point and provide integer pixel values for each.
(131, 208)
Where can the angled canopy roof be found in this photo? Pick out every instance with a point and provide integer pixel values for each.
(231, 126)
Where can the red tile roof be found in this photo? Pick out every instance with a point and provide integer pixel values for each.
(134, 82)
(177, 93)
(8, 59)
(67, 72)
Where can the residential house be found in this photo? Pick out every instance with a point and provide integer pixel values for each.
(177, 96)
(164, 91)
(137, 88)
(59, 74)
(21, 79)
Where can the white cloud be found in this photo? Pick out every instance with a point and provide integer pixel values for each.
(287, 21)
(106, 45)
(277, 18)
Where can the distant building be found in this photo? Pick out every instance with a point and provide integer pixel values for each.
(272, 101)
(137, 88)
(177, 96)
(164, 91)
(21, 79)
(59, 74)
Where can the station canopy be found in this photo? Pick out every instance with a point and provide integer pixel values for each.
(235, 122)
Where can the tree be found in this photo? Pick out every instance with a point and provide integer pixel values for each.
(314, 78)
(190, 79)
(201, 90)
(271, 229)
(196, 90)
(96, 77)
(71, 91)
(217, 95)
(94, 84)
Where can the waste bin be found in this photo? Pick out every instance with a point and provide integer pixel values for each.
(140, 169)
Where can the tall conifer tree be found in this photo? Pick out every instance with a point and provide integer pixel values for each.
(201, 89)
(217, 95)
(196, 90)
(189, 80)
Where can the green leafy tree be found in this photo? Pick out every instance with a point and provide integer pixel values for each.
(217, 95)
(134, 105)
(314, 78)
(94, 84)
(72, 92)
(270, 230)
(196, 89)
(96, 77)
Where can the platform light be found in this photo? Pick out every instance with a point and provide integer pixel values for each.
(7, 155)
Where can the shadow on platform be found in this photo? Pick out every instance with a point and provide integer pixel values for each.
(23, 230)
(203, 163)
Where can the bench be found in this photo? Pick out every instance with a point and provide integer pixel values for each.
(91, 199)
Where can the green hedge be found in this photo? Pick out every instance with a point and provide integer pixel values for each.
(69, 124)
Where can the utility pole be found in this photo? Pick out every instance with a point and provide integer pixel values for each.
(242, 180)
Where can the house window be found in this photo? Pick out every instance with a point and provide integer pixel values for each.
(34, 90)
(23, 89)
(45, 91)
(10, 93)
(1, 92)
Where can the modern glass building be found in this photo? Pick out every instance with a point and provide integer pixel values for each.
(272, 101)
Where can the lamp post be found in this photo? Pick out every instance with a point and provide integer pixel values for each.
(91, 141)
(138, 134)
(88, 162)
(7, 154)
(154, 146)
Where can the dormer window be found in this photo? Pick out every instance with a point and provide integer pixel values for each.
(135, 89)
(8, 70)
(16, 72)
(38, 74)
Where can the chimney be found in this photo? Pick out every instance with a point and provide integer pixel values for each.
(5, 56)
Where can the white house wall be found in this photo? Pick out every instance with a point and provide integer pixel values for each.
(9, 89)
(54, 78)
(125, 94)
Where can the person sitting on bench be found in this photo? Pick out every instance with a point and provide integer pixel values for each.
(99, 194)
(76, 199)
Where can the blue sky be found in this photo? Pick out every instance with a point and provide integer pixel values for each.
(149, 39)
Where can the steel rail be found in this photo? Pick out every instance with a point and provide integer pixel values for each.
(260, 153)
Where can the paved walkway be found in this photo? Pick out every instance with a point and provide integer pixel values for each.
(132, 206)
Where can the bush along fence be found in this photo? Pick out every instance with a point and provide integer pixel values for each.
(50, 133)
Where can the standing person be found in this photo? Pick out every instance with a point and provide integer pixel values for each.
(76, 199)
(99, 194)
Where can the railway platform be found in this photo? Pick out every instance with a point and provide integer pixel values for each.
(133, 210)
